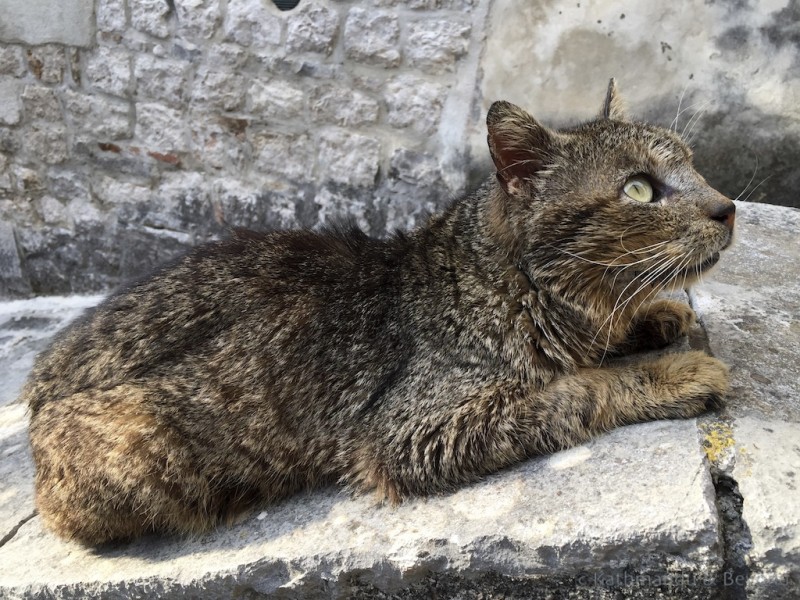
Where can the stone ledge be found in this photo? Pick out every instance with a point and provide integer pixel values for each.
(646, 510)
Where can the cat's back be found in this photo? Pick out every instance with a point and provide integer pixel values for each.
(255, 292)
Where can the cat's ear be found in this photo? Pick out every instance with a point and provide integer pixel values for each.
(519, 145)
(613, 105)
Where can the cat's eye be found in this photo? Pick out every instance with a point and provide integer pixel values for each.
(639, 189)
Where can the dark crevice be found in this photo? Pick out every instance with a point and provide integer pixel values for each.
(736, 538)
(7, 537)
(170, 7)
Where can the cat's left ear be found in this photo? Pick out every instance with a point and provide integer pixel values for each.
(613, 106)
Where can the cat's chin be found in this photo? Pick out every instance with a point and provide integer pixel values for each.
(691, 274)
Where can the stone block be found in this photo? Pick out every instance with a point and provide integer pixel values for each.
(68, 22)
(13, 282)
(285, 155)
(275, 99)
(109, 70)
(12, 60)
(96, 118)
(111, 16)
(341, 205)
(226, 55)
(40, 102)
(198, 19)
(219, 89)
(161, 79)
(10, 101)
(414, 102)
(435, 45)
(161, 129)
(372, 37)
(219, 142)
(248, 22)
(112, 191)
(46, 142)
(348, 158)
(312, 27)
(343, 106)
(150, 16)
(47, 63)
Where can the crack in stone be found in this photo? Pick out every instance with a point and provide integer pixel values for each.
(736, 538)
(7, 537)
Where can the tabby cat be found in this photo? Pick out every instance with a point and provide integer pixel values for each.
(274, 362)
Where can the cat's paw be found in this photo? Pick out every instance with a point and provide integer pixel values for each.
(661, 323)
(689, 384)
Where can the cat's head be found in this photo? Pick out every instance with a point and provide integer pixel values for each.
(615, 201)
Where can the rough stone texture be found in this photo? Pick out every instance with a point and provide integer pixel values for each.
(198, 19)
(150, 16)
(349, 158)
(248, 22)
(12, 278)
(10, 101)
(109, 70)
(750, 307)
(97, 117)
(343, 106)
(275, 100)
(436, 45)
(312, 28)
(414, 102)
(372, 37)
(41, 102)
(160, 79)
(67, 21)
(12, 61)
(47, 63)
(111, 15)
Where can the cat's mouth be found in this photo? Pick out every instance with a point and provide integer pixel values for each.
(707, 263)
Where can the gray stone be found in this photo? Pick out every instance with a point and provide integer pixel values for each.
(160, 129)
(10, 101)
(161, 79)
(219, 142)
(150, 16)
(95, 118)
(67, 22)
(343, 106)
(198, 19)
(372, 37)
(111, 15)
(12, 60)
(40, 102)
(109, 70)
(435, 45)
(286, 155)
(113, 191)
(349, 158)
(312, 28)
(337, 206)
(12, 279)
(414, 102)
(219, 89)
(47, 63)
(227, 55)
(249, 23)
(275, 99)
(46, 142)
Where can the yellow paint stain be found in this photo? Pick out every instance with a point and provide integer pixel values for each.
(719, 437)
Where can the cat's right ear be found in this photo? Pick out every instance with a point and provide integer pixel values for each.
(519, 145)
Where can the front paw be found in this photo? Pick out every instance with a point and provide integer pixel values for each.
(689, 384)
(661, 323)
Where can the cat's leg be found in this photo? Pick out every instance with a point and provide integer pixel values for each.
(658, 324)
(107, 469)
(504, 424)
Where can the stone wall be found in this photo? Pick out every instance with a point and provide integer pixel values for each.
(180, 118)
(133, 129)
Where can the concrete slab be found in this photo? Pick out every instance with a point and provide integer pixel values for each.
(69, 22)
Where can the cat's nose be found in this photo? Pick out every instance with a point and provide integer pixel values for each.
(722, 210)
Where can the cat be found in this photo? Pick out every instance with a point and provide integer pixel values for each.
(275, 362)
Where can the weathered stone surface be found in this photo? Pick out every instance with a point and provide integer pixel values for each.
(219, 89)
(109, 70)
(160, 79)
(47, 63)
(248, 22)
(414, 102)
(47, 142)
(12, 279)
(275, 99)
(150, 16)
(343, 106)
(349, 158)
(291, 156)
(312, 27)
(750, 307)
(372, 37)
(436, 45)
(161, 129)
(67, 22)
(10, 101)
(12, 60)
(111, 15)
(40, 102)
(198, 19)
(219, 142)
(98, 118)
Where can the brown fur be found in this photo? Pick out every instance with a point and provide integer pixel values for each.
(270, 363)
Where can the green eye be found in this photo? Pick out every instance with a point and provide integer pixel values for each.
(639, 189)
